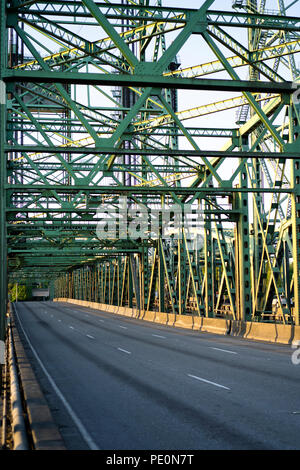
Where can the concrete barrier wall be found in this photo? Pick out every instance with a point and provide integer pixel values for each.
(270, 332)
(218, 326)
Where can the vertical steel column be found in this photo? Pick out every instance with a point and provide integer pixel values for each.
(253, 35)
(294, 133)
(209, 266)
(243, 287)
(296, 237)
(161, 279)
(3, 241)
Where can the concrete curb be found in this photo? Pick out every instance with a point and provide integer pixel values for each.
(258, 331)
(18, 424)
(45, 434)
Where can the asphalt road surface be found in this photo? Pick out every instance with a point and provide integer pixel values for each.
(117, 383)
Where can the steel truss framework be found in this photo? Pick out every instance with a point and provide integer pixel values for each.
(92, 111)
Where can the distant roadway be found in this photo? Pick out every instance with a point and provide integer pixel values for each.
(114, 382)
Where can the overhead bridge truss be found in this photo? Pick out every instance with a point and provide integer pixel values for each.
(117, 116)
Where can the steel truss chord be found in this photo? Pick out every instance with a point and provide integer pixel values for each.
(125, 180)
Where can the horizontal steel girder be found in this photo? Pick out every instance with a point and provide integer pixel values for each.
(149, 80)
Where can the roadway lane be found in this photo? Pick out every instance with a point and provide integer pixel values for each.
(129, 384)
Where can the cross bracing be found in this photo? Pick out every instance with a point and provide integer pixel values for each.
(135, 101)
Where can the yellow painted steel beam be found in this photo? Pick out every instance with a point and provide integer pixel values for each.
(107, 42)
(266, 53)
(225, 273)
(191, 273)
(166, 119)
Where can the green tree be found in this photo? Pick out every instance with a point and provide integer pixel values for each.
(22, 292)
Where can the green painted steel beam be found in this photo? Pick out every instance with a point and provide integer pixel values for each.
(142, 189)
(175, 14)
(149, 79)
(290, 152)
(93, 118)
(3, 138)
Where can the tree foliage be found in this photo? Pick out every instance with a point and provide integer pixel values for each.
(20, 290)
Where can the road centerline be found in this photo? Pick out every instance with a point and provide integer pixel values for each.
(207, 381)
(223, 350)
(124, 351)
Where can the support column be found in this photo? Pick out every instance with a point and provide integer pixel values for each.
(296, 237)
(161, 280)
(296, 243)
(208, 253)
(3, 241)
(295, 184)
(243, 284)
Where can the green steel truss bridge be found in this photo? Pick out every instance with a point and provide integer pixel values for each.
(151, 106)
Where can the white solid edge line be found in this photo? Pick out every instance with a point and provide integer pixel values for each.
(208, 381)
(86, 436)
(124, 350)
(223, 350)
